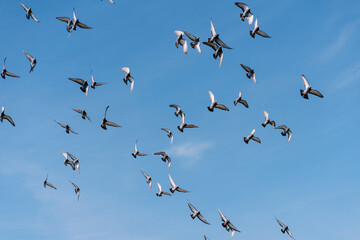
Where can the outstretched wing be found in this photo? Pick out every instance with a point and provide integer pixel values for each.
(280, 223)
(179, 33)
(82, 25)
(212, 45)
(232, 227)
(64, 19)
(283, 127)
(222, 107)
(171, 181)
(223, 218)
(181, 190)
(72, 131)
(212, 98)
(50, 185)
(243, 102)
(7, 117)
(77, 110)
(190, 36)
(256, 139)
(261, 33)
(192, 208)
(305, 81)
(25, 8)
(166, 130)
(125, 69)
(246, 68)
(212, 28)
(191, 126)
(33, 17)
(28, 56)
(77, 80)
(11, 74)
(243, 6)
(112, 124)
(62, 125)
(266, 115)
(100, 83)
(316, 93)
(221, 43)
(201, 218)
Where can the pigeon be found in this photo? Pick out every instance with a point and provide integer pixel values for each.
(175, 187)
(128, 77)
(195, 41)
(148, 179)
(7, 117)
(76, 162)
(304, 93)
(77, 189)
(184, 124)
(161, 192)
(251, 137)
(214, 104)
(32, 61)
(218, 51)
(170, 135)
(286, 131)
(164, 157)
(84, 85)
(29, 12)
(196, 213)
(285, 229)
(67, 161)
(106, 122)
(215, 37)
(258, 31)
(267, 120)
(46, 183)
(246, 12)
(72, 24)
(178, 109)
(5, 73)
(136, 152)
(181, 41)
(67, 127)
(93, 83)
(227, 224)
(240, 100)
(250, 72)
(83, 113)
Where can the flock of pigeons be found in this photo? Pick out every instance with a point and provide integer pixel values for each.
(217, 45)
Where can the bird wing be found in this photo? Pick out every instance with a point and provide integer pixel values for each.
(112, 124)
(99, 84)
(11, 74)
(159, 187)
(205, 238)
(72, 131)
(261, 33)
(64, 19)
(221, 59)
(212, 98)
(246, 68)
(221, 43)
(232, 227)
(82, 25)
(243, 102)
(7, 117)
(223, 218)
(190, 36)
(33, 17)
(172, 181)
(132, 85)
(136, 146)
(198, 47)
(185, 46)
(75, 186)
(25, 8)
(201, 218)
(191, 126)
(72, 156)
(256, 139)
(50, 185)
(64, 155)
(181, 190)
(305, 81)
(316, 93)
(145, 175)
(159, 153)
(212, 28)
(166, 130)
(254, 78)
(182, 118)
(179, 33)
(222, 107)
(290, 135)
(252, 132)
(28, 56)
(192, 208)
(212, 45)
(77, 80)
(266, 115)
(243, 6)
(166, 193)
(62, 125)
(125, 69)
(106, 111)
(77, 110)
(283, 127)
(289, 233)
(280, 223)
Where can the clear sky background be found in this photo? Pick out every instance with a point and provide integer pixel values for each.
(311, 184)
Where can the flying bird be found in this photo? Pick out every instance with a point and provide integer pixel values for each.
(285, 229)
(285, 131)
(214, 104)
(240, 100)
(83, 113)
(46, 183)
(73, 23)
(196, 213)
(148, 179)
(76, 162)
(93, 83)
(136, 152)
(161, 192)
(29, 12)
(128, 77)
(181, 41)
(5, 73)
(7, 117)
(184, 124)
(67, 127)
(215, 37)
(218, 51)
(251, 137)
(257, 31)
(246, 12)
(164, 157)
(67, 161)
(178, 109)
(169, 134)
(267, 120)
(195, 41)
(105, 122)
(84, 84)
(32, 61)
(175, 187)
(77, 189)
(250, 72)
(304, 93)
(227, 224)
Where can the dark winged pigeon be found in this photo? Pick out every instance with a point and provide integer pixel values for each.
(7, 117)
(67, 127)
(164, 157)
(29, 12)
(105, 122)
(32, 61)
(285, 131)
(178, 109)
(246, 12)
(161, 192)
(84, 84)
(128, 78)
(257, 31)
(215, 37)
(76, 189)
(83, 113)
(285, 228)
(214, 104)
(46, 183)
(250, 72)
(175, 187)
(251, 137)
(169, 134)
(136, 151)
(267, 120)
(227, 224)
(218, 51)
(196, 213)
(184, 124)
(5, 73)
(195, 41)
(181, 41)
(240, 100)
(148, 179)
(95, 84)
(304, 93)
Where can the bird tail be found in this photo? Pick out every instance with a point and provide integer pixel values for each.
(304, 95)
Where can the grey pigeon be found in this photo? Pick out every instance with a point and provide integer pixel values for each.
(164, 157)
(7, 117)
(67, 127)
(214, 104)
(308, 89)
(181, 41)
(184, 124)
(5, 73)
(246, 12)
(29, 12)
(175, 187)
(83, 113)
(257, 31)
(128, 78)
(285, 228)
(161, 192)
(169, 134)
(105, 122)
(84, 84)
(93, 83)
(136, 152)
(218, 51)
(250, 72)
(77, 189)
(46, 183)
(267, 120)
(178, 109)
(240, 100)
(67, 161)
(251, 137)
(285, 131)
(215, 37)
(195, 41)
(196, 213)
(32, 61)
(227, 224)
(148, 179)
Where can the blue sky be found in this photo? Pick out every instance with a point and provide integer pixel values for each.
(311, 183)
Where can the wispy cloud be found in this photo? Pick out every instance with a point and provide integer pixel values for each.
(347, 78)
(340, 43)
(191, 150)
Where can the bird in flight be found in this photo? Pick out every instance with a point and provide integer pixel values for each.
(148, 179)
(175, 187)
(161, 192)
(284, 228)
(128, 78)
(285, 131)
(5, 73)
(240, 100)
(169, 134)
(246, 12)
(251, 137)
(214, 104)
(84, 84)
(308, 89)
(83, 113)
(184, 124)
(136, 152)
(93, 83)
(29, 12)
(257, 31)
(105, 122)
(67, 127)
(196, 213)
(227, 224)
(267, 120)
(181, 41)
(76, 189)
(250, 72)
(7, 117)
(32, 61)
(195, 41)
(46, 183)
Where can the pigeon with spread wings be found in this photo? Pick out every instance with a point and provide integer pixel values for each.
(83, 113)
(148, 179)
(32, 61)
(196, 213)
(77, 189)
(214, 104)
(7, 117)
(93, 83)
(67, 161)
(161, 192)
(169, 134)
(308, 89)
(250, 72)
(76, 162)
(136, 152)
(285, 131)
(5, 73)
(246, 12)
(165, 157)
(195, 41)
(218, 51)
(128, 77)
(267, 120)
(29, 12)
(215, 37)
(284, 228)
(184, 124)
(175, 187)
(240, 100)
(84, 84)
(67, 127)
(257, 31)
(251, 137)
(46, 183)
(105, 122)
(181, 41)
(178, 109)
(227, 224)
